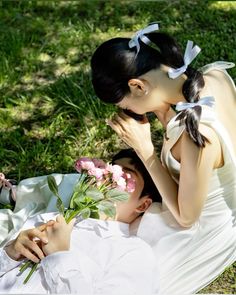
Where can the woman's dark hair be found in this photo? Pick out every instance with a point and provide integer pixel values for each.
(149, 186)
(113, 64)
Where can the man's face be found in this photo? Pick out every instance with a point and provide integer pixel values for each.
(125, 211)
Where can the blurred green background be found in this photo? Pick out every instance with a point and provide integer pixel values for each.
(49, 114)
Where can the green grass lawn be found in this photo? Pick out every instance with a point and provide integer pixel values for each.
(49, 115)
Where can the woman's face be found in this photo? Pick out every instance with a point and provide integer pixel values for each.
(148, 93)
(138, 105)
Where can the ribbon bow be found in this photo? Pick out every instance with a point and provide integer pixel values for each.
(134, 42)
(208, 101)
(189, 55)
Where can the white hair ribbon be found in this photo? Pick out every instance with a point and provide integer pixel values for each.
(189, 55)
(208, 101)
(134, 42)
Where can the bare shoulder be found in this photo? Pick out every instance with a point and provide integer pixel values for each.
(212, 149)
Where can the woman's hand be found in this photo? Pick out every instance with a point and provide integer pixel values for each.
(137, 134)
(58, 236)
(28, 243)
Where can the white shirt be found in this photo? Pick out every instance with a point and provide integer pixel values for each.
(103, 259)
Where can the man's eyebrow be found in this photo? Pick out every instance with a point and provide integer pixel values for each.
(130, 169)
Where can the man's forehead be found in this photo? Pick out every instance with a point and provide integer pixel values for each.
(126, 163)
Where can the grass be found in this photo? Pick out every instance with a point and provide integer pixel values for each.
(49, 115)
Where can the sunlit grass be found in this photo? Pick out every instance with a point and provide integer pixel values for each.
(223, 5)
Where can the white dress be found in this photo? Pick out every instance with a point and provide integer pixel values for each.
(189, 259)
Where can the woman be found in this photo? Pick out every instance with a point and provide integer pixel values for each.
(194, 233)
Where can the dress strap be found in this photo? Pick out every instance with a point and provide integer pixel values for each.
(218, 65)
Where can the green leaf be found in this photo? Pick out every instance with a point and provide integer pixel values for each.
(60, 206)
(88, 201)
(80, 199)
(6, 206)
(54, 189)
(107, 208)
(85, 213)
(95, 215)
(79, 184)
(52, 184)
(68, 213)
(116, 195)
(94, 194)
(74, 196)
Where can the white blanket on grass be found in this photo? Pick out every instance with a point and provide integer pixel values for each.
(33, 197)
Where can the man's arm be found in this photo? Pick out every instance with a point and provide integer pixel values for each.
(6, 262)
(25, 245)
(117, 271)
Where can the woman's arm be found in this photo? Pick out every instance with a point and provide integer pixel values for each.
(185, 201)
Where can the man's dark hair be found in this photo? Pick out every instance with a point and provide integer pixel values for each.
(149, 186)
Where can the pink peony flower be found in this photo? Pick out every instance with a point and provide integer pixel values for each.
(84, 164)
(116, 171)
(111, 175)
(130, 187)
(99, 163)
(97, 172)
(121, 184)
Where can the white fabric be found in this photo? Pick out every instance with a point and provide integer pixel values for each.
(103, 259)
(33, 196)
(189, 259)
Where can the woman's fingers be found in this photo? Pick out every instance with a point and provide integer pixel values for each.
(115, 126)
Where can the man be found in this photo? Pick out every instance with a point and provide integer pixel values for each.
(93, 256)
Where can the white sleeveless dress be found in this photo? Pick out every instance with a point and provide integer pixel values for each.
(189, 259)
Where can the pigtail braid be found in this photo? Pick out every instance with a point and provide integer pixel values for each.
(191, 117)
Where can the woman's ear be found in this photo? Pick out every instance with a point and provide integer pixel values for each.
(145, 203)
(138, 87)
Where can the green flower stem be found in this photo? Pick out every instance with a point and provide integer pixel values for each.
(75, 213)
(25, 266)
(71, 216)
(31, 272)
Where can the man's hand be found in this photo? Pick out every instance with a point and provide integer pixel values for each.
(28, 243)
(58, 236)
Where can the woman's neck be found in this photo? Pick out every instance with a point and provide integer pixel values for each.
(165, 117)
